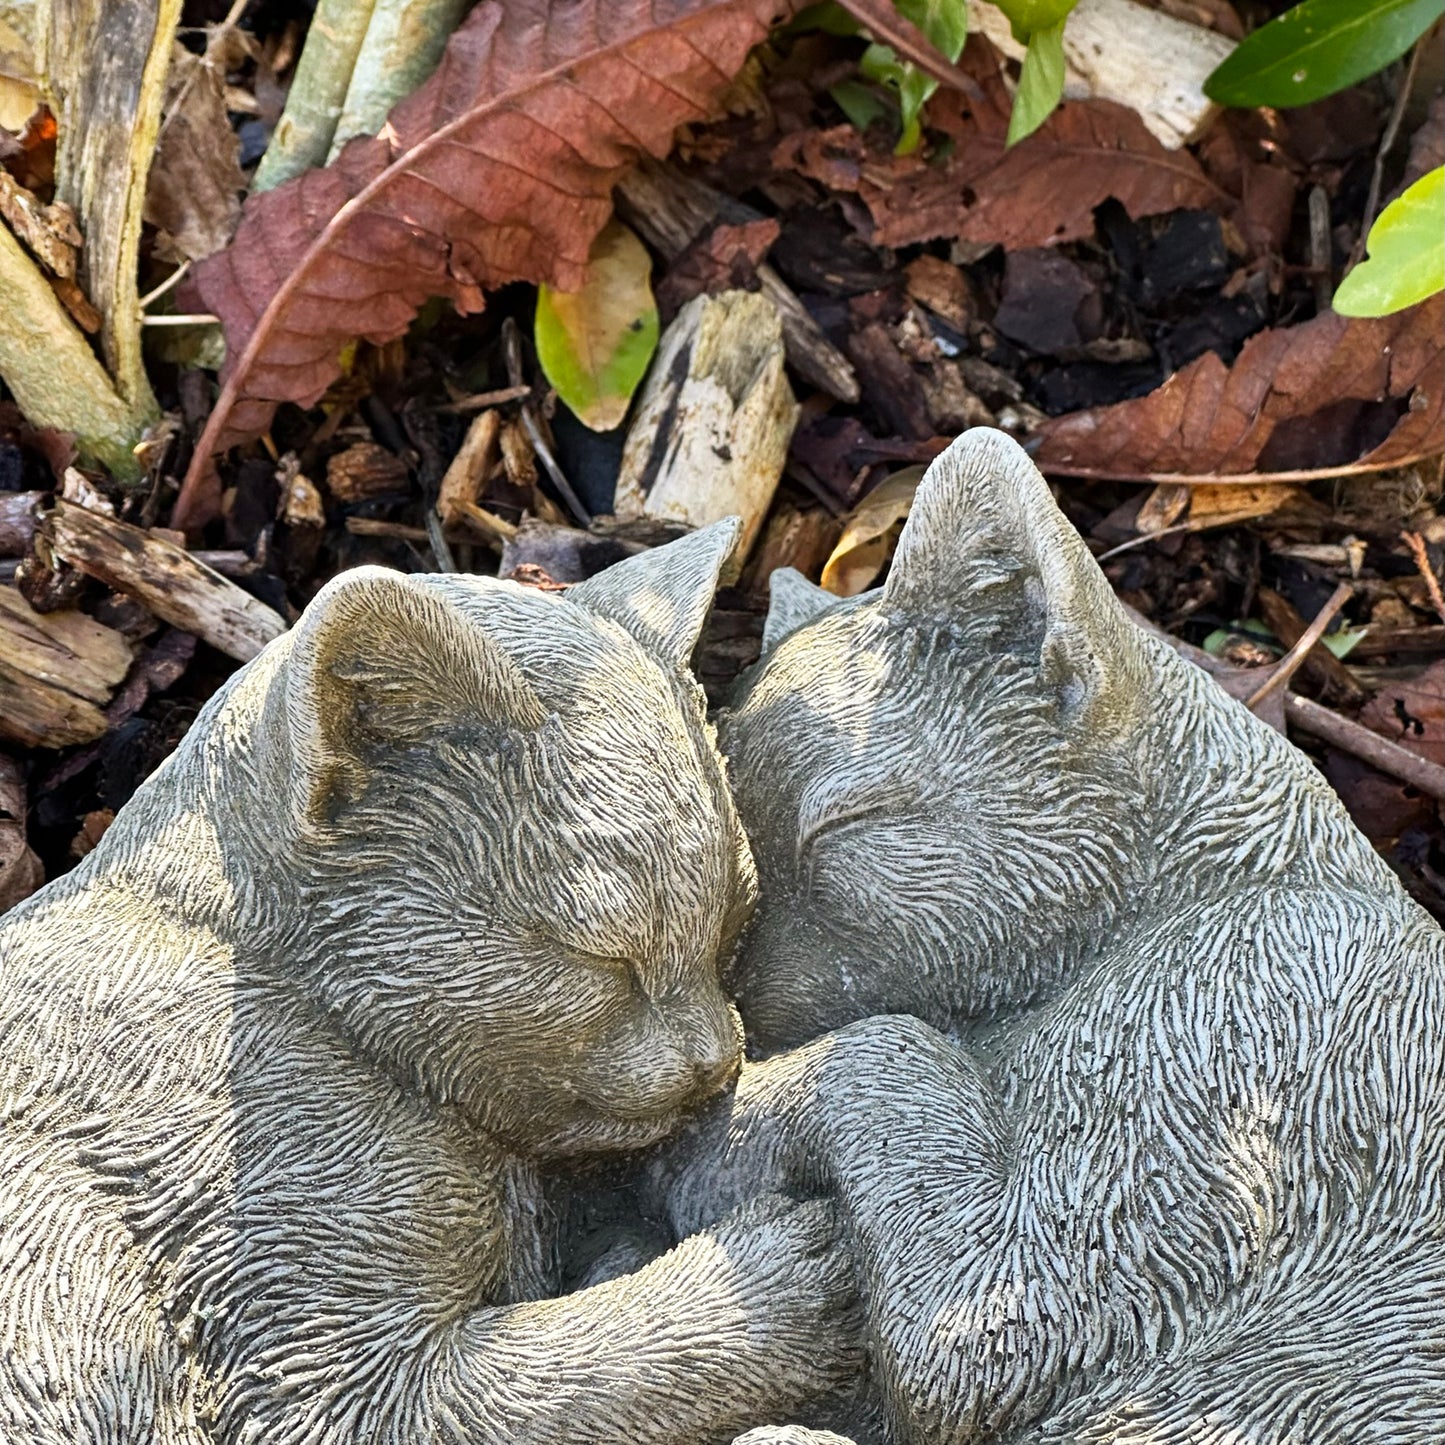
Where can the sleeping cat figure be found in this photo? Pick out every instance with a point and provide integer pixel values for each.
(432, 898)
(1134, 1098)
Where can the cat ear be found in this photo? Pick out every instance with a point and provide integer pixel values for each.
(379, 661)
(986, 545)
(662, 596)
(793, 602)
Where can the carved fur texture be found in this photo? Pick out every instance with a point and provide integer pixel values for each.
(1155, 1154)
(433, 896)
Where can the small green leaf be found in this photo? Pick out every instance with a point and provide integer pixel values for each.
(859, 102)
(944, 22)
(1407, 253)
(830, 18)
(1027, 17)
(1041, 82)
(1344, 642)
(880, 63)
(594, 344)
(1319, 47)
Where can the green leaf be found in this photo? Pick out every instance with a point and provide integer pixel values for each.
(1407, 253)
(1317, 48)
(944, 22)
(1344, 642)
(859, 102)
(1028, 17)
(830, 18)
(913, 87)
(594, 344)
(1041, 82)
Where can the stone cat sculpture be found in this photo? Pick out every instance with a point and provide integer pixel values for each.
(1180, 1174)
(434, 892)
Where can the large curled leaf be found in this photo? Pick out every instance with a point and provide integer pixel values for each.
(594, 344)
(1296, 398)
(1319, 47)
(1407, 253)
(499, 168)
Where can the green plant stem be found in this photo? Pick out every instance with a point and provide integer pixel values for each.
(52, 372)
(307, 126)
(403, 44)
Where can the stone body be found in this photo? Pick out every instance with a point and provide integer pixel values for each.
(1151, 1149)
(431, 898)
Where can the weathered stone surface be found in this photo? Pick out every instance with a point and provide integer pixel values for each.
(1157, 1157)
(431, 899)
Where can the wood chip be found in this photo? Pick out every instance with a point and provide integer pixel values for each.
(57, 672)
(164, 578)
(712, 425)
(462, 484)
(364, 472)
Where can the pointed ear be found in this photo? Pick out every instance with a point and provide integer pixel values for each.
(986, 546)
(793, 602)
(662, 596)
(381, 661)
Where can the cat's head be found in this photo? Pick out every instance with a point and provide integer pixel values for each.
(522, 868)
(938, 778)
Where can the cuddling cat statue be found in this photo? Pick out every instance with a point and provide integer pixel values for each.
(1179, 1173)
(434, 893)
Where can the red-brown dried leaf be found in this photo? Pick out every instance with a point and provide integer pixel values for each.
(498, 169)
(1037, 193)
(1268, 411)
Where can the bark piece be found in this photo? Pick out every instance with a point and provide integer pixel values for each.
(57, 671)
(714, 419)
(462, 484)
(364, 472)
(18, 511)
(165, 578)
(499, 168)
(671, 210)
(21, 872)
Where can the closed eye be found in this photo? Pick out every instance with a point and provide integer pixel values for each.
(624, 969)
(809, 833)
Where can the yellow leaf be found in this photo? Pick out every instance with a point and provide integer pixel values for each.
(869, 533)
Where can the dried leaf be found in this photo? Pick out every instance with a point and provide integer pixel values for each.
(1412, 713)
(194, 191)
(869, 534)
(1037, 193)
(594, 343)
(1268, 410)
(723, 257)
(499, 168)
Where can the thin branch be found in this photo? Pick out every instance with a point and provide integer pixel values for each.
(1293, 660)
(1387, 144)
(1236, 479)
(1416, 543)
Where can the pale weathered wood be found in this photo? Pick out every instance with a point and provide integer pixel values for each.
(104, 63)
(714, 420)
(1126, 52)
(57, 671)
(18, 511)
(464, 478)
(671, 210)
(164, 578)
